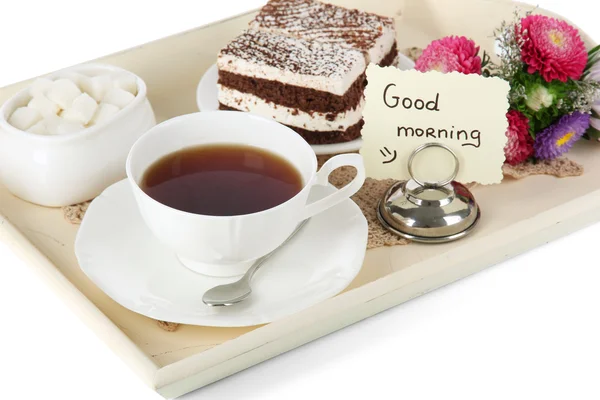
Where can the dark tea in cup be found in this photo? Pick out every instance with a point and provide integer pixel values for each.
(222, 180)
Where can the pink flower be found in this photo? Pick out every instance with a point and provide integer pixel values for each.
(552, 47)
(449, 54)
(520, 144)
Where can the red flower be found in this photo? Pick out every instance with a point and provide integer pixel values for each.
(520, 144)
(552, 47)
(449, 54)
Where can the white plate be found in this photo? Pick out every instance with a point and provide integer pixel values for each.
(207, 100)
(207, 93)
(120, 255)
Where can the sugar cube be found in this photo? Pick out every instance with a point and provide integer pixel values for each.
(118, 97)
(126, 81)
(41, 103)
(40, 87)
(82, 109)
(66, 127)
(97, 86)
(52, 122)
(39, 128)
(24, 118)
(63, 92)
(75, 77)
(103, 113)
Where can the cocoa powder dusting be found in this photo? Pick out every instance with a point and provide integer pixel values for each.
(312, 19)
(295, 55)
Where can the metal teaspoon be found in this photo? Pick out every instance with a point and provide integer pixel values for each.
(235, 292)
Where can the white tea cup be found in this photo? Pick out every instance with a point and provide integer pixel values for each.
(227, 245)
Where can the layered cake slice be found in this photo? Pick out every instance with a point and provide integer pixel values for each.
(316, 88)
(313, 20)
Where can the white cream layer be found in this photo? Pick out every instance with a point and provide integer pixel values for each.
(383, 45)
(337, 85)
(314, 121)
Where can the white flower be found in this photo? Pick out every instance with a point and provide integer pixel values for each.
(539, 98)
(594, 73)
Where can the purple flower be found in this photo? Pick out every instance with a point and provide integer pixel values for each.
(557, 139)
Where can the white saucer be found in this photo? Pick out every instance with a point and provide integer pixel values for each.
(207, 100)
(120, 255)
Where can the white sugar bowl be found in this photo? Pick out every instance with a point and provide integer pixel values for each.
(62, 169)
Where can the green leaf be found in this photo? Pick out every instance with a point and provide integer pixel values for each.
(594, 50)
(593, 133)
(593, 56)
(485, 60)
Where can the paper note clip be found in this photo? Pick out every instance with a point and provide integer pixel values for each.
(429, 212)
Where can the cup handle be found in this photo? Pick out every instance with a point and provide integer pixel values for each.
(322, 179)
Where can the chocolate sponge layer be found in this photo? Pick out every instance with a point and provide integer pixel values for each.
(390, 57)
(304, 99)
(320, 137)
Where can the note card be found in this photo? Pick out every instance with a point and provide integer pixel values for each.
(405, 109)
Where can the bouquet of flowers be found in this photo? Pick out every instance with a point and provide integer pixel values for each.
(555, 94)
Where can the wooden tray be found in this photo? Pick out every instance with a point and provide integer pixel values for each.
(517, 215)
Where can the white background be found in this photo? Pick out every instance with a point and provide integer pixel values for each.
(526, 329)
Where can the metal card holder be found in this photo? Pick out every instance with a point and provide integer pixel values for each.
(429, 212)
